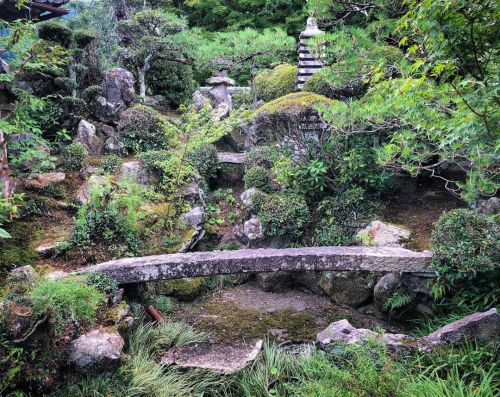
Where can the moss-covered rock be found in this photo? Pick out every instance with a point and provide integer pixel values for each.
(297, 102)
(186, 289)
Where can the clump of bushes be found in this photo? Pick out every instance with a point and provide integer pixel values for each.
(73, 157)
(283, 214)
(143, 128)
(258, 177)
(465, 243)
(274, 83)
(205, 161)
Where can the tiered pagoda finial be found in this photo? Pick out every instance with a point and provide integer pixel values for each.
(35, 10)
(308, 63)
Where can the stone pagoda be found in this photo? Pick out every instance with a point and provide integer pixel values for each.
(308, 63)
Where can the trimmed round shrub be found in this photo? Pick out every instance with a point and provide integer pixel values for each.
(205, 160)
(274, 83)
(258, 177)
(56, 33)
(91, 92)
(465, 243)
(284, 214)
(173, 80)
(143, 128)
(84, 37)
(73, 157)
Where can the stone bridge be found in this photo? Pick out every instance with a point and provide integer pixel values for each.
(196, 264)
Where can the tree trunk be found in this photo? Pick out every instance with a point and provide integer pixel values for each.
(254, 92)
(4, 168)
(72, 76)
(142, 76)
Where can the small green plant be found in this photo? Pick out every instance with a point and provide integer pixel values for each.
(398, 300)
(66, 300)
(102, 283)
(163, 304)
(258, 177)
(73, 157)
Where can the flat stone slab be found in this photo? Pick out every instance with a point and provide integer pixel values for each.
(232, 158)
(221, 358)
(199, 264)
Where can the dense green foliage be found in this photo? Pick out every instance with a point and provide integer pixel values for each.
(274, 83)
(465, 243)
(73, 157)
(284, 215)
(258, 177)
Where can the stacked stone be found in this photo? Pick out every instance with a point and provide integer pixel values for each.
(308, 63)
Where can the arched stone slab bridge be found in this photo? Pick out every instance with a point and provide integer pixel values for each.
(195, 264)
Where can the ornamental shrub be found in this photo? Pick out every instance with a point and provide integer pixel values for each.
(73, 157)
(284, 214)
(465, 243)
(274, 83)
(143, 128)
(258, 177)
(205, 160)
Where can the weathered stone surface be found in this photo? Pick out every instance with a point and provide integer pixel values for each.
(220, 358)
(46, 250)
(114, 145)
(347, 287)
(41, 181)
(488, 207)
(135, 171)
(199, 100)
(118, 94)
(195, 217)
(342, 331)
(17, 317)
(23, 274)
(195, 264)
(87, 137)
(221, 112)
(385, 288)
(185, 289)
(380, 234)
(481, 327)
(96, 352)
(247, 196)
(275, 281)
(232, 158)
(95, 181)
(220, 80)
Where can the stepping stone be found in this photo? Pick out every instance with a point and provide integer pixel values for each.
(225, 359)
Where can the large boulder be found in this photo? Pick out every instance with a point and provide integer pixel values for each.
(135, 171)
(225, 358)
(380, 234)
(41, 181)
(117, 95)
(482, 327)
(87, 137)
(348, 288)
(248, 195)
(96, 352)
(195, 217)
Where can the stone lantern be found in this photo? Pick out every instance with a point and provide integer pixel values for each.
(219, 93)
(308, 63)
